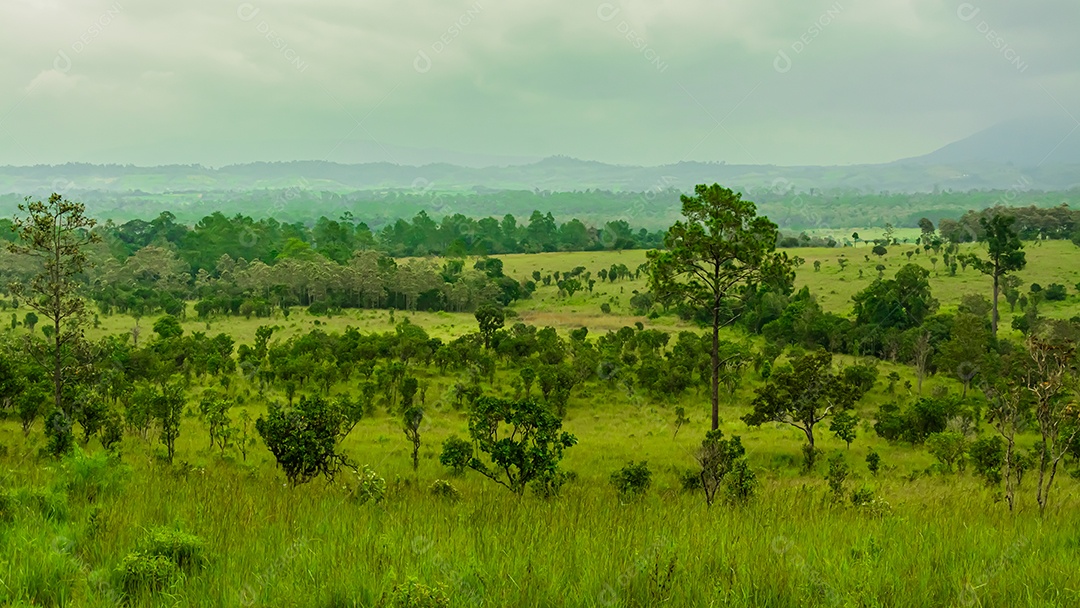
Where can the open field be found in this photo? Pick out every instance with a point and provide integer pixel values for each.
(928, 539)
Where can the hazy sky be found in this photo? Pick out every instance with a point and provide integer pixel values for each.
(642, 82)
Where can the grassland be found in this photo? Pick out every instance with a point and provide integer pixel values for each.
(928, 540)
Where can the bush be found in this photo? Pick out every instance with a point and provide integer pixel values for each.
(304, 439)
(949, 448)
(412, 594)
(873, 462)
(444, 490)
(988, 457)
(862, 496)
(1055, 292)
(632, 481)
(369, 486)
(186, 551)
(837, 475)
(456, 454)
(91, 477)
(140, 573)
(741, 482)
(690, 480)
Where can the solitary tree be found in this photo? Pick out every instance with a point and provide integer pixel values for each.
(1004, 255)
(803, 396)
(56, 233)
(721, 245)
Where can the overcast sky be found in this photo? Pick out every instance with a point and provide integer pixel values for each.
(638, 82)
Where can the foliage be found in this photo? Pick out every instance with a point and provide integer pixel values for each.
(304, 439)
(837, 475)
(950, 449)
(522, 440)
(804, 395)
(370, 487)
(444, 490)
(987, 457)
(717, 458)
(632, 481)
(412, 594)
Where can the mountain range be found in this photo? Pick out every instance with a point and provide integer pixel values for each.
(1035, 154)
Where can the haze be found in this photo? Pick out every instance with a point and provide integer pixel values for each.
(487, 82)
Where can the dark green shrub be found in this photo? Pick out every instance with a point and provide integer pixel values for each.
(412, 594)
(444, 490)
(456, 454)
(873, 462)
(632, 481)
(988, 457)
(837, 475)
(142, 573)
(186, 551)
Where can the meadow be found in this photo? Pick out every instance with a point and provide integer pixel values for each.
(927, 538)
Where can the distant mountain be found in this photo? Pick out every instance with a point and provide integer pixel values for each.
(1031, 155)
(1023, 143)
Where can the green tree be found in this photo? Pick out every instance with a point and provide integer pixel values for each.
(522, 440)
(490, 319)
(1004, 255)
(720, 246)
(30, 321)
(803, 396)
(56, 234)
(305, 439)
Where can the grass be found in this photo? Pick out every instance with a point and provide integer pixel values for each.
(930, 539)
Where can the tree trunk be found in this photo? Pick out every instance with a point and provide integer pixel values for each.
(715, 380)
(994, 314)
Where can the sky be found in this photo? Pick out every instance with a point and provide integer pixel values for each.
(649, 82)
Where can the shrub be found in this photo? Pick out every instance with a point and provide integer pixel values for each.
(370, 487)
(837, 475)
(186, 551)
(444, 490)
(632, 481)
(873, 462)
(90, 477)
(741, 482)
(949, 448)
(862, 496)
(140, 573)
(456, 454)
(412, 594)
(1055, 292)
(690, 480)
(988, 456)
(304, 439)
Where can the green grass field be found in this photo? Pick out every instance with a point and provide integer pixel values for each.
(928, 540)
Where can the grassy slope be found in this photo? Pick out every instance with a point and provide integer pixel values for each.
(943, 541)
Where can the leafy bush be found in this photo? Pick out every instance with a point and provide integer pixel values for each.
(304, 439)
(862, 496)
(412, 594)
(444, 490)
(370, 487)
(949, 448)
(632, 481)
(186, 551)
(528, 454)
(837, 475)
(742, 482)
(141, 572)
(1055, 292)
(988, 457)
(91, 477)
(873, 462)
(456, 454)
